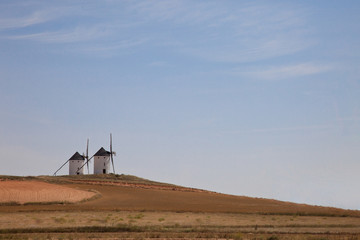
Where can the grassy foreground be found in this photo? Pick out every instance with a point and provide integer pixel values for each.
(139, 225)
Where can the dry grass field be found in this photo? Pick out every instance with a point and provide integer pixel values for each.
(135, 208)
(25, 192)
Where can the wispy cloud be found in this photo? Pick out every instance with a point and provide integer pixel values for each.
(245, 32)
(280, 72)
(212, 31)
(109, 49)
(177, 11)
(65, 36)
(248, 50)
(35, 17)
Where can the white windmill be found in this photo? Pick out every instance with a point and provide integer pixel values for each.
(76, 162)
(102, 159)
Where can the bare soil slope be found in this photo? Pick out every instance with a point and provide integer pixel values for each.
(123, 192)
(39, 192)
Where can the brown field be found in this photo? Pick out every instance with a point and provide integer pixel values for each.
(39, 192)
(131, 207)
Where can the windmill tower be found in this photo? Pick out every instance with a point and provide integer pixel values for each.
(75, 163)
(102, 159)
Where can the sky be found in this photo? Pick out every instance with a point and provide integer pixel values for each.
(252, 98)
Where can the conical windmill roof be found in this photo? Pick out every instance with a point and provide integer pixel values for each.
(77, 156)
(102, 152)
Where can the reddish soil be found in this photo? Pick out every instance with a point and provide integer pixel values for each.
(39, 192)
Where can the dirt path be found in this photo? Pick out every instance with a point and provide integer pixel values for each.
(140, 185)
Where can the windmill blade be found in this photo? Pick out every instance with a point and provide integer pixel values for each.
(112, 161)
(110, 143)
(60, 168)
(111, 153)
(85, 163)
(87, 154)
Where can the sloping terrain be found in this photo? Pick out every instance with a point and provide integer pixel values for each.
(123, 192)
(128, 207)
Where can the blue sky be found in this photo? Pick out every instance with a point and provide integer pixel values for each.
(256, 98)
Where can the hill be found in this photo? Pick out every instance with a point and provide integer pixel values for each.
(130, 193)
